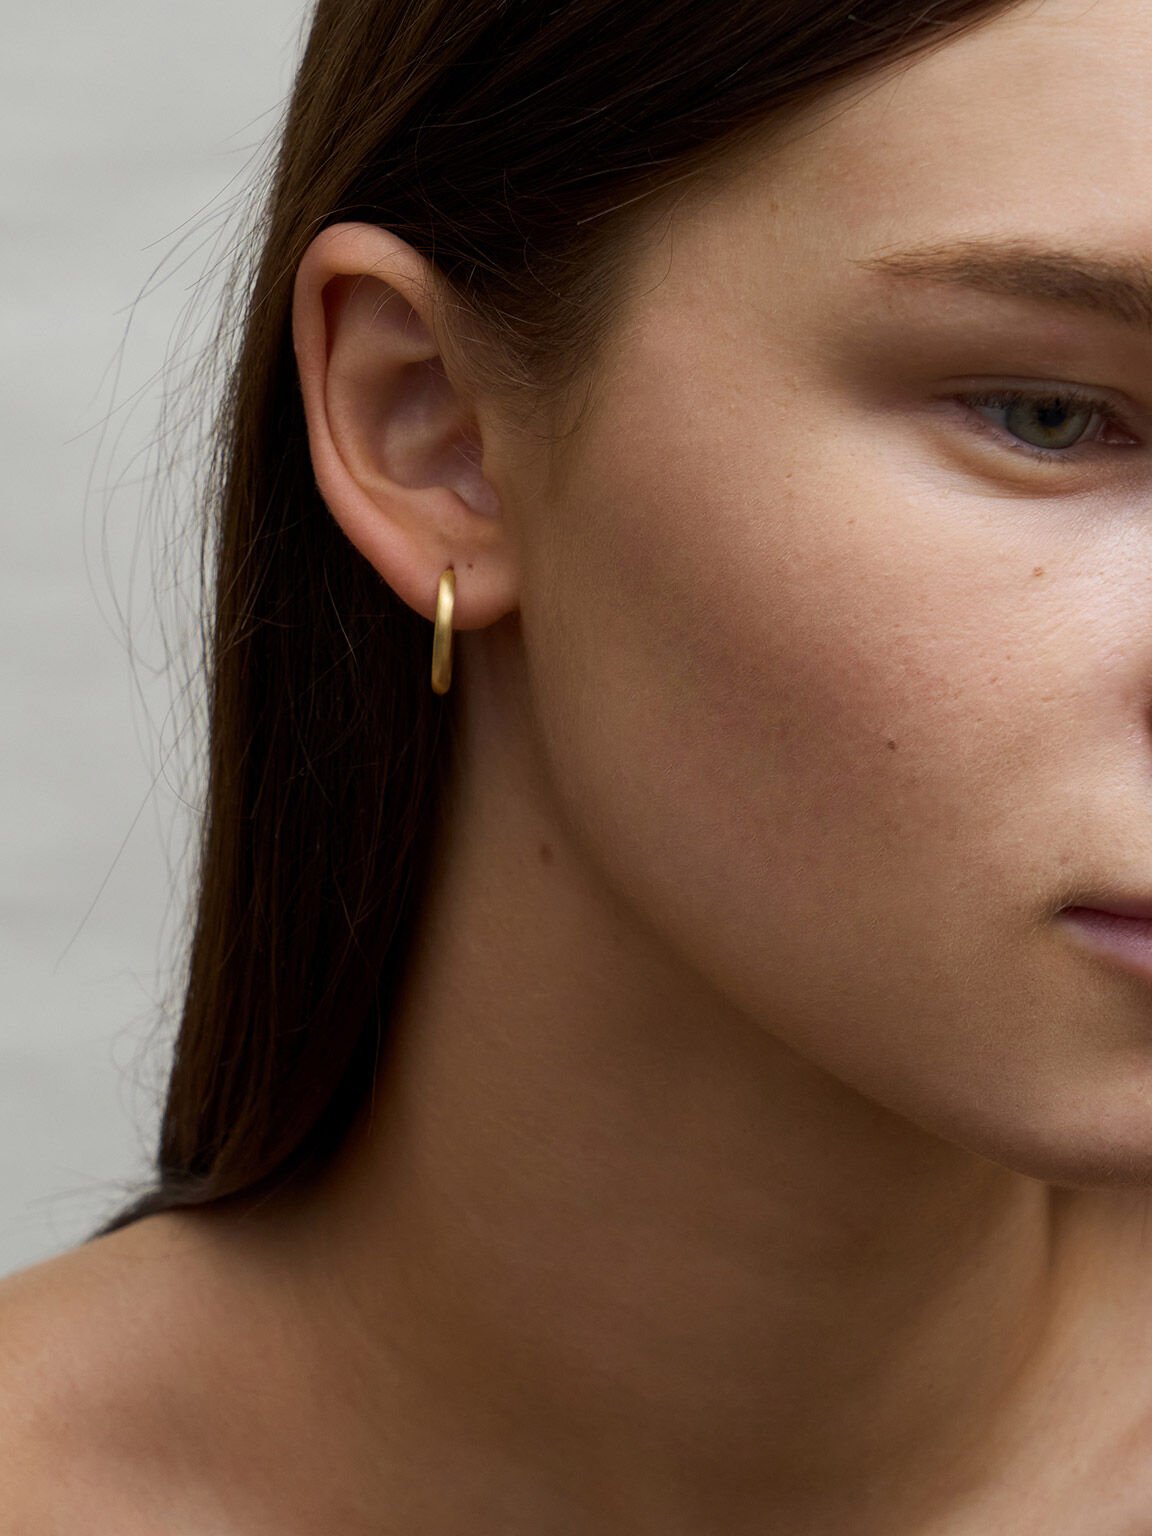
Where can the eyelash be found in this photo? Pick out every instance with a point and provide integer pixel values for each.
(1066, 396)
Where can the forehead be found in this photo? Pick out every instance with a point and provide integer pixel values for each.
(1037, 123)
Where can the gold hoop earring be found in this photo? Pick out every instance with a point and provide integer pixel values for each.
(442, 639)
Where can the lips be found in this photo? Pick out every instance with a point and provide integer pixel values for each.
(1135, 907)
(1123, 937)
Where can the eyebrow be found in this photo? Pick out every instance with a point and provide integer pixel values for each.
(1118, 286)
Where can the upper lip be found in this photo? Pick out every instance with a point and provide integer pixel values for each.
(1119, 906)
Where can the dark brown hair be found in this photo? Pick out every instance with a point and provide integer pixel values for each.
(517, 144)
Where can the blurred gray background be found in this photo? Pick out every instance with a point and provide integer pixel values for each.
(129, 130)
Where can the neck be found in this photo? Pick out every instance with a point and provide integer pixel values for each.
(604, 1253)
(681, 1288)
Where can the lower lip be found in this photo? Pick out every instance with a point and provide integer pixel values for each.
(1127, 939)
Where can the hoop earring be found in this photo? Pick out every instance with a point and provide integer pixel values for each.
(442, 638)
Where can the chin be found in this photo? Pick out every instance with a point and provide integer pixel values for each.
(1099, 1142)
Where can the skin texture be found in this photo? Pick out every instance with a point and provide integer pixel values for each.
(756, 1150)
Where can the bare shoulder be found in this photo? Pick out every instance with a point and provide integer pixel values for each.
(25, 1468)
(43, 1392)
(92, 1347)
(69, 1325)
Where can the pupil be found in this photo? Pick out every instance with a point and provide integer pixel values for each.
(1049, 413)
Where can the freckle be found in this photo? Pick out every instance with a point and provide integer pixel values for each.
(891, 746)
(1039, 571)
(546, 854)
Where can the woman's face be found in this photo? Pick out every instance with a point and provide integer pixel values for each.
(844, 683)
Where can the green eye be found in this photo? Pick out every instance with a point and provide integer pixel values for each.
(1046, 424)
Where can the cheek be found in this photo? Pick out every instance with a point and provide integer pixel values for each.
(788, 741)
(742, 709)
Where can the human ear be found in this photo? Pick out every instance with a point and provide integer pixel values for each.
(397, 445)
